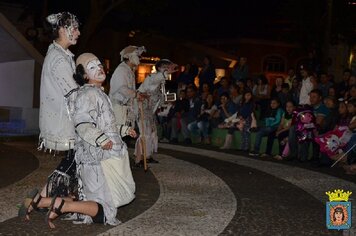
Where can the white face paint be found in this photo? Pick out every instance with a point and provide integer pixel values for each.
(72, 32)
(95, 70)
(134, 59)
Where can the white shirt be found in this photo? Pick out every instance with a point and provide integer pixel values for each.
(307, 87)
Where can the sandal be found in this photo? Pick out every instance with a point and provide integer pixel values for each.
(55, 210)
(29, 201)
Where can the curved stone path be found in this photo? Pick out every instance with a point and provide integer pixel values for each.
(193, 201)
(201, 192)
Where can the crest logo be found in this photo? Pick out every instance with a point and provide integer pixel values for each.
(338, 210)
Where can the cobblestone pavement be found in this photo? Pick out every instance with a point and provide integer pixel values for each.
(146, 195)
(197, 192)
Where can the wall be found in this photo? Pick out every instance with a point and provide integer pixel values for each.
(16, 83)
(16, 98)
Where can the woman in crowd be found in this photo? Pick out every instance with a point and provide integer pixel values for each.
(244, 115)
(283, 131)
(271, 122)
(261, 92)
(202, 124)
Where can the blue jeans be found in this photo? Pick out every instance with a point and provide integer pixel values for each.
(201, 127)
(262, 132)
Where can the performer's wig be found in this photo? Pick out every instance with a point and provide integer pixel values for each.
(132, 53)
(66, 20)
(81, 62)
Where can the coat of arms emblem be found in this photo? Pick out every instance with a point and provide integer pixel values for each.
(338, 210)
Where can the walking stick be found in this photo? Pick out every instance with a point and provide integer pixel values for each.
(143, 141)
(342, 156)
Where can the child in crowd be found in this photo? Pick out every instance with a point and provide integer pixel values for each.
(246, 113)
(343, 118)
(271, 122)
(283, 130)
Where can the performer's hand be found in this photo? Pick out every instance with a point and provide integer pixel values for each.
(142, 96)
(132, 133)
(107, 146)
(172, 68)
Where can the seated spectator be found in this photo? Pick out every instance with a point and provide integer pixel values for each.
(277, 87)
(283, 130)
(344, 117)
(205, 90)
(244, 116)
(332, 118)
(321, 112)
(271, 122)
(332, 92)
(224, 86)
(343, 86)
(324, 84)
(242, 86)
(180, 107)
(188, 116)
(295, 91)
(249, 84)
(235, 94)
(348, 154)
(284, 95)
(164, 116)
(226, 108)
(291, 77)
(351, 94)
(261, 93)
(202, 123)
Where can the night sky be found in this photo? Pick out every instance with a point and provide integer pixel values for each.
(199, 20)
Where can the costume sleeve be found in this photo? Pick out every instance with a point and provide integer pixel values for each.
(123, 130)
(85, 120)
(152, 82)
(120, 84)
(63, 74)
(63, 77)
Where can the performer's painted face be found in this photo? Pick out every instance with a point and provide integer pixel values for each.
(134, 59)
(95, 70)
(72, 32)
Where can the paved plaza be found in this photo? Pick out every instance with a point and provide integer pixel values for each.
(192, 191)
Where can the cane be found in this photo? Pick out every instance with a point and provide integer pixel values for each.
(343, 155)
(143, 141)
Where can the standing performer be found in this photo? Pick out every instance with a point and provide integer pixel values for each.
(57, 94)
(152, 86)
(123, 92)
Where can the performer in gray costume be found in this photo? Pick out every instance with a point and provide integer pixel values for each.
(153, 85)
(105, 178)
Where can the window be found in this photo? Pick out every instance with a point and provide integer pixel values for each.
(274, 64)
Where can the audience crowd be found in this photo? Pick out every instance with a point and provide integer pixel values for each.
(244, 104)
